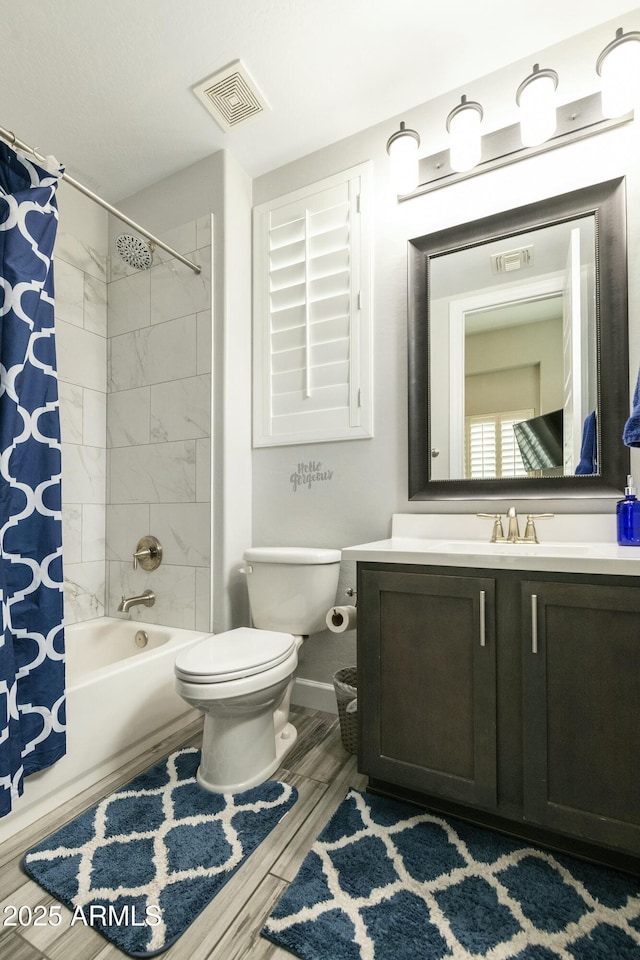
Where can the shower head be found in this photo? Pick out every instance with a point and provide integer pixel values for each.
(134, 251)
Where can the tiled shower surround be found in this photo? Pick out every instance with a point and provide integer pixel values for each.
(80, 276)
(135, 409)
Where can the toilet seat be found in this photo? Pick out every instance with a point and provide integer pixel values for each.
(232, 655)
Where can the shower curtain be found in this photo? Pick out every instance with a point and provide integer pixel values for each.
(32, 720)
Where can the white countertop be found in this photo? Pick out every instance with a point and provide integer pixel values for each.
(595, 554)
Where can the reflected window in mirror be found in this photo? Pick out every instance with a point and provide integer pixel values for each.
(518, 370)
(491, 447)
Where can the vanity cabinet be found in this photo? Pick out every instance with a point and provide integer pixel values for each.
(430, 681)
(581, 709)
(512, 694)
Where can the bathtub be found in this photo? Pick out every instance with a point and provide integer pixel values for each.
(120, 702)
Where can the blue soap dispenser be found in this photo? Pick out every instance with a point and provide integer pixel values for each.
(628, 515)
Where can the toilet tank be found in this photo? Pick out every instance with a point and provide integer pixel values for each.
(291, 588)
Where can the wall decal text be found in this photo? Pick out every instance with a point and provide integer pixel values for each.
(309, 473)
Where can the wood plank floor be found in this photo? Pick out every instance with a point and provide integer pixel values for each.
(228, 929)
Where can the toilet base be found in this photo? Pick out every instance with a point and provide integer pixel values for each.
(221, 777)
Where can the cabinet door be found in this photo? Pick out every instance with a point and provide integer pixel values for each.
(582, 710)
(426, 655)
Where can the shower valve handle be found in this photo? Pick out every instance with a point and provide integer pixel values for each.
(148, 554)
(141, 555)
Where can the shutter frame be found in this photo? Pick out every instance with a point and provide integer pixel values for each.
(312, 312)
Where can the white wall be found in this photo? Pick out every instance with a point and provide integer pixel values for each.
(369, 477)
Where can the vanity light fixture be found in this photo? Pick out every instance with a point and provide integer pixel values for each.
(536, 97)
(543, 125)
(618, 66)
(463, 127)
(402, 147)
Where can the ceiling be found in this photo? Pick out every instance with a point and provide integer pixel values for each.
(105, 85)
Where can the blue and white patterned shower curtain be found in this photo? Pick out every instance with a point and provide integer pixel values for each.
(32, 719)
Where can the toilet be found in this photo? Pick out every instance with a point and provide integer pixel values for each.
(242, 679)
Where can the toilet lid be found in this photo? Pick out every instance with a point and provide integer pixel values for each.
(234, 654)
(295, 555)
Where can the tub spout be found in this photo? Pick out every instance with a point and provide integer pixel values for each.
(148, 598)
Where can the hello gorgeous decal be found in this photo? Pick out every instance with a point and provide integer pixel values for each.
(306, 474)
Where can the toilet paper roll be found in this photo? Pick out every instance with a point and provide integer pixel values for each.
(340, 619)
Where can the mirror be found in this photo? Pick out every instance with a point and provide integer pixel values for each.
(518, 352)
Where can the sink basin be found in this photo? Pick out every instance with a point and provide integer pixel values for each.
(514, 549)
(444, 540)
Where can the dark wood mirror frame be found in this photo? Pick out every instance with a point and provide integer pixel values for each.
(607, 202)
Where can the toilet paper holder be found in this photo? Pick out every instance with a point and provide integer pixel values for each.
(339, 619)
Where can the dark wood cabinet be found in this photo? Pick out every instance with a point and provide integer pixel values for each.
(510, 694)
(581, 709)
(430, 681)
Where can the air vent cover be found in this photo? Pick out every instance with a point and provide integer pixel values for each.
(231, 96)
(510, 260)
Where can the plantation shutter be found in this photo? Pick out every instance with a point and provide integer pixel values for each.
(312, 336)
(491, 447)
(481, 448)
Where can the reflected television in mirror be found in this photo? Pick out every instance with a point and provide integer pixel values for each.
(540, 441)
(511, 318)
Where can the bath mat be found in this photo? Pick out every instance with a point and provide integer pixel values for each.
(143, 863)
(388, 881)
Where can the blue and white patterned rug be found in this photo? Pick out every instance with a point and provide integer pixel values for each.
(389, 881)
(142, 864)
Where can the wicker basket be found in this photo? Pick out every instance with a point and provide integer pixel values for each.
(346, 687)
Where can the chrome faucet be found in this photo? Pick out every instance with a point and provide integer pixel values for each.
(148, 598)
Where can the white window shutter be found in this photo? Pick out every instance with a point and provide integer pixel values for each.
(312, 313)
(481, 449)
(491, 448)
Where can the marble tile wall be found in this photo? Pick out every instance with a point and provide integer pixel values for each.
(134, 376)
(159, 429)
(81, 330)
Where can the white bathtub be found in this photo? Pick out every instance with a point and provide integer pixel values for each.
(120, 701)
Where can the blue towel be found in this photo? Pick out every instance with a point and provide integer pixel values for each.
(589, 450)
(631, 432)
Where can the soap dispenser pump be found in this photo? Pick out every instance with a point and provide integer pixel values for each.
(628, 517)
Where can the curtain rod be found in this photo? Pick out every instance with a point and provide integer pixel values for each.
(13, 141)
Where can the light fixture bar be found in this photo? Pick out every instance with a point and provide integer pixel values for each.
(575, 121)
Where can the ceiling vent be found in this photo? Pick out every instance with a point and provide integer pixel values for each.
(231, 96)
(510, 260)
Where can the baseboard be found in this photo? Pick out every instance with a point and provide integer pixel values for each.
(312, 693)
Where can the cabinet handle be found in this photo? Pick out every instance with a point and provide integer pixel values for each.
(483, 638)
(534, 623)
